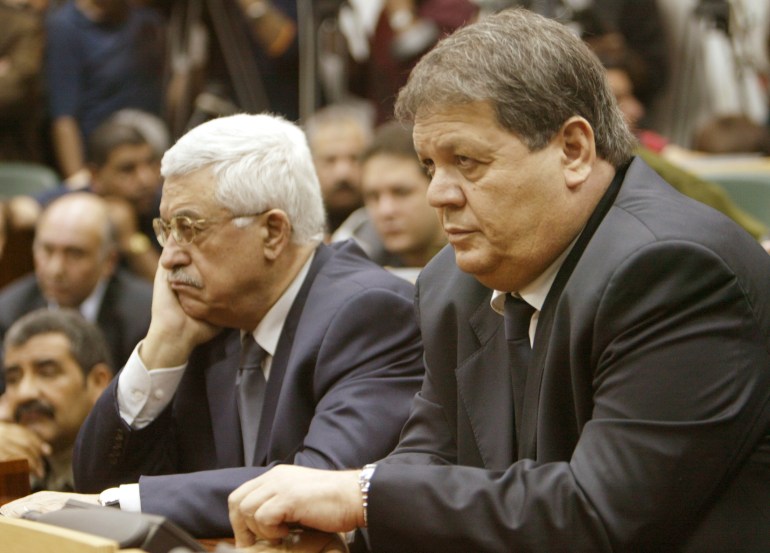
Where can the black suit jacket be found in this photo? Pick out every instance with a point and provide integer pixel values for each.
(124, 315)
(348, 362)
(646, 411)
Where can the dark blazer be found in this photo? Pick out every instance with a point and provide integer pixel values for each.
(647, 407)
(124, 315)
(347, 365)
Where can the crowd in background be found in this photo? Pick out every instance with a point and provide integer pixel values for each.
(97, 90)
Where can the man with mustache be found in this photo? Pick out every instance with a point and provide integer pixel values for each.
(56, 365)
(338, 136)
(243, 270)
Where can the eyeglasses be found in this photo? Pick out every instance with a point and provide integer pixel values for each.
(184, 229)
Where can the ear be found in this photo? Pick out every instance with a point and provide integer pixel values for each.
(578, 150)
(97, 380)
(276, 233)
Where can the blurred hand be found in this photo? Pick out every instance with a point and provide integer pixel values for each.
(18, 442)
(264, 508)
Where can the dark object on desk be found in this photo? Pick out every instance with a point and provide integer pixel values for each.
(151, 533)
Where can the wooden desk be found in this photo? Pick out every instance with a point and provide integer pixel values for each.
(14, 480)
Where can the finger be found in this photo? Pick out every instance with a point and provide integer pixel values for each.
(237, 496)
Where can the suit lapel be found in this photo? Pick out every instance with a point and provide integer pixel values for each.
(280, 364)
(484, 389)
(528, 437)
(220, 391)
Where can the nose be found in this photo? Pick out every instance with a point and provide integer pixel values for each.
(25, 390)
(173, 255)
(55, 264)
(444, 189)
(387, 206)
(149, 175)
(346, 169)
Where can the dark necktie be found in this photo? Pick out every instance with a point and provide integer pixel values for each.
(251, 394)
(518, 315)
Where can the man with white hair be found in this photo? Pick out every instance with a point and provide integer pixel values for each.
(243, 270)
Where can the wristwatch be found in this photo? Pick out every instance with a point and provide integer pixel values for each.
(364, 481)
(110, 498)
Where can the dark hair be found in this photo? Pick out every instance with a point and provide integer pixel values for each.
(87, 343)
(109, 136)
(533, 71)
(394, 138)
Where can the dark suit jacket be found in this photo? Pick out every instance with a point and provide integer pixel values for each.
(347, 365)
(646, 411)
(124, 315)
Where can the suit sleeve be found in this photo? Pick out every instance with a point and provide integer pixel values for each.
(368, 367)
(109, 453)
(678, 365)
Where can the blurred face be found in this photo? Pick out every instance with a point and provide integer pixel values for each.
(623, 89)
(131, 172)
(46, 390)
(394, 189)
(499, 203)
(69, 254)
(221, 275)
(337, 154)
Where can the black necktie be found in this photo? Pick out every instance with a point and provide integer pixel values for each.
(251, 394)
(518, 315)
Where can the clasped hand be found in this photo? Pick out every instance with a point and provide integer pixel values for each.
(286, 496)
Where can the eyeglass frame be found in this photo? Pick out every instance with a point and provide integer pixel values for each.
(163, 229)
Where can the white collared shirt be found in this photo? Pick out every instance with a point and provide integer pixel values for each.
(90, 306)
(535, 292)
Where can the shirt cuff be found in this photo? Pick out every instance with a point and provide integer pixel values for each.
(129, 498)
(143, 394)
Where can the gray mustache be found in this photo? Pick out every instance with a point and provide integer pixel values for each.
(179, 276)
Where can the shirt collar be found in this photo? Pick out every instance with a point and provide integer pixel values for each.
(535, 292)
(90, 306)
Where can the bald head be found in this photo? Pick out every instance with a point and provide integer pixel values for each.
(74, 248)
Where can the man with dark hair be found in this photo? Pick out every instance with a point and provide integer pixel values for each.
(397, 228)
(596, 344)
(56, 365)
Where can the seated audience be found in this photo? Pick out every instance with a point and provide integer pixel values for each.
(596, 343)
(75, 258)
(56, 364)
(397, 227)
(265, 346)
(124, 166)
(652, 146)
(338, 135)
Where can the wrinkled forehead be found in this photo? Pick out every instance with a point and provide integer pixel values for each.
(193, 194)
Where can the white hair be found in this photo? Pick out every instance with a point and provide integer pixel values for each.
(260, 162)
